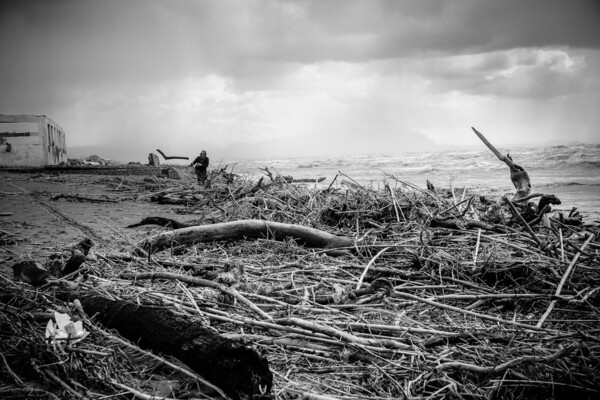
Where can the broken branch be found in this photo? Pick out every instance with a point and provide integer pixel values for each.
(504, 366)
(171, 157)
(200, 282)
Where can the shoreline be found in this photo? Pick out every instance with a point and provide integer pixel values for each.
(584, 197)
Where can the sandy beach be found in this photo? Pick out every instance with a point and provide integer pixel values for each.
(40, 225)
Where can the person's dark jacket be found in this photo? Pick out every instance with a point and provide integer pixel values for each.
(201, 163)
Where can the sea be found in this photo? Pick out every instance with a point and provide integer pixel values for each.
(571, 173)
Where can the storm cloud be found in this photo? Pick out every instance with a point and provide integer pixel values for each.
(201, 73)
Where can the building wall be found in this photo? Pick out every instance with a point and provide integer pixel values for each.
(48, 147)
(55, 149)
(21, 156)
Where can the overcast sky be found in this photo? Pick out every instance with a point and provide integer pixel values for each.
(185, 74)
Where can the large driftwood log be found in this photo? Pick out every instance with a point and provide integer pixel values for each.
(518, 175)
(238, 370)
(238, 230)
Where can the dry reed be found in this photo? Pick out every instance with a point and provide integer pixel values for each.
(439, 298)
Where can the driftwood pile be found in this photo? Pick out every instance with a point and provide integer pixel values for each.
(332, 292)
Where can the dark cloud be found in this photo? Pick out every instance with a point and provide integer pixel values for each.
(90, 42)
(358, 30)
(312, 62)
(539, 23)
(519, 73)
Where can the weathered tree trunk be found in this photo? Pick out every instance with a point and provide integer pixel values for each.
(237, 230)
(518, 175)
(238, 370)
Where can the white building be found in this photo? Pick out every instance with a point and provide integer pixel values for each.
(31, 141)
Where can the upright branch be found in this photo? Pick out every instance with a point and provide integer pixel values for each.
(518, 175)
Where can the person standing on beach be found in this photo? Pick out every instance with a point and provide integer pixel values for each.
(200, 165)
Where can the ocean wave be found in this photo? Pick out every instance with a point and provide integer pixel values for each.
(420, 169)
(590, 164)
(570, 163)
(583, 155)
(568, 183)
(310, 165)
(559, 156)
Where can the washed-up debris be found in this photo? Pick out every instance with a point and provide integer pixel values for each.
(518, 175)
(8, 238)
(90, 160)
(63, 330)
(435, 296)
(153, 160)
(82, 198)
(31, 272)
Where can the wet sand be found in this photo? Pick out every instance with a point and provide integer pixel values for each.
(33, 225)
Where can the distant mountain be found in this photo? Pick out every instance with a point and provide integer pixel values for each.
(297, 146)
